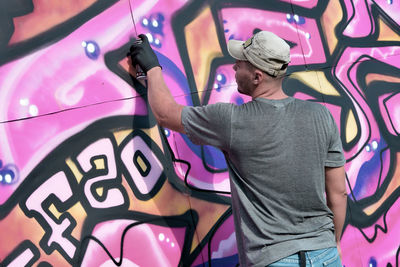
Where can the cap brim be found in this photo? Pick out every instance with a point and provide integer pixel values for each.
(235, 49)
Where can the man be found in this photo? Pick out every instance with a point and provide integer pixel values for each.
(283, 155)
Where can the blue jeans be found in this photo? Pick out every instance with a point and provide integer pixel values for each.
(328, 257)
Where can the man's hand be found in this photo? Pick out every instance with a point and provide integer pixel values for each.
(141, 53)
(165, 109)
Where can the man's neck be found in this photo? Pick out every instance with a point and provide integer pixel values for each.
(271, 90)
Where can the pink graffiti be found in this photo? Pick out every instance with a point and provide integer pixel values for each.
(391, 8)
(357, 250)
(60, 89)
(222, 244)
(306, 36)
(22, 259)
(390, 110)
(303, 3)
(359, 22)
(61, 78)
(345, 72)
(148, 244)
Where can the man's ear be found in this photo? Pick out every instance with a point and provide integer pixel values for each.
(258, 77)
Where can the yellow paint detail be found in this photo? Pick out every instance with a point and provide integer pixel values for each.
(141, 163)
(307, 77)
(99, 191)
(54, 211)
(317, 81)
(351, 127)
(331, 17)
(80, 215)
(99, 163)
(121, 135)
(203, 47)
(78, 175)
(326, 87)
(386, 33)
(154, 134)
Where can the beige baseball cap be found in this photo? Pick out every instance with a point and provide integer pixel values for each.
(264, 50)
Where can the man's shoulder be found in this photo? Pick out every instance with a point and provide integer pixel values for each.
(213, 109)
(212, 105)
(312, 105)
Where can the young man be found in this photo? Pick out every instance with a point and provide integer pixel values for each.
(283, 155)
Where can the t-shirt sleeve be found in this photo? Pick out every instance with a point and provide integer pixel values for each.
(335, 157)
(208, 125)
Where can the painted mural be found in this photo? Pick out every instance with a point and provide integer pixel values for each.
(87, 177)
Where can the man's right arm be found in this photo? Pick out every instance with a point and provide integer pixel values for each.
(167, 112)
(336, 196)
(208, 124)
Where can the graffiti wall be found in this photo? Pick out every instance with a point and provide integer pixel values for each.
(87, 177)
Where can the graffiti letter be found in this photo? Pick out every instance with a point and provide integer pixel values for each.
(100, 150)
(55, 189)
(143, 169)
(25, 254)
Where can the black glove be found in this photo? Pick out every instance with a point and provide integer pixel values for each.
(141, 53)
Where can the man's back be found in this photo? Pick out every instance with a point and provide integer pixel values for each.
(279, 149)
(276, 151)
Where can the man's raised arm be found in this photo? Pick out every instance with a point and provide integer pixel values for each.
(164, 107)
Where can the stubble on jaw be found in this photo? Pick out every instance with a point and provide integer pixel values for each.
(244, 82)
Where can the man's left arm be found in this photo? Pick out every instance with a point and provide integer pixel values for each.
(335, 180)
(336, 196)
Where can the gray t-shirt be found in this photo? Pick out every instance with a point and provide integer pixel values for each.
(276, 151)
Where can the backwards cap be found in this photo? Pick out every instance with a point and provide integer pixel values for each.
(264, 50)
